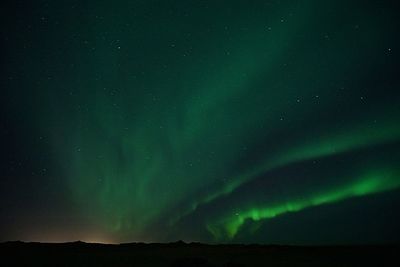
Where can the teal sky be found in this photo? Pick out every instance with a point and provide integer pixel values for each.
(211, 121)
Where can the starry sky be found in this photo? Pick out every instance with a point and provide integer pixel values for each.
(212, 121)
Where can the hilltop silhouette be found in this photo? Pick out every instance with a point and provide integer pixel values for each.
(181, 254)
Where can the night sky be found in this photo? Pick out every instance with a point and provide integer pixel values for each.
(212, 121)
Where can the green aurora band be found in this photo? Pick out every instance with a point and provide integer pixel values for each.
(371, 183)
(176, 119)
(155, 150)
(352, 139)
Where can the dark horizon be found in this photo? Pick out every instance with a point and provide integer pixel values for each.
(179, 254)
(195, 243)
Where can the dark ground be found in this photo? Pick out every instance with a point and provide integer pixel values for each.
(182, 254)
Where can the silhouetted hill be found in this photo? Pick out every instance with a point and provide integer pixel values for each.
(181, 254)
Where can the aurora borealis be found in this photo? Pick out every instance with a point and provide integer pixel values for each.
(211, 121)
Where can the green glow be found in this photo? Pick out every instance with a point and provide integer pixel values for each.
(155, 148)
(163, 151)
(372, 183)
(347, 140)
(156, 112)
